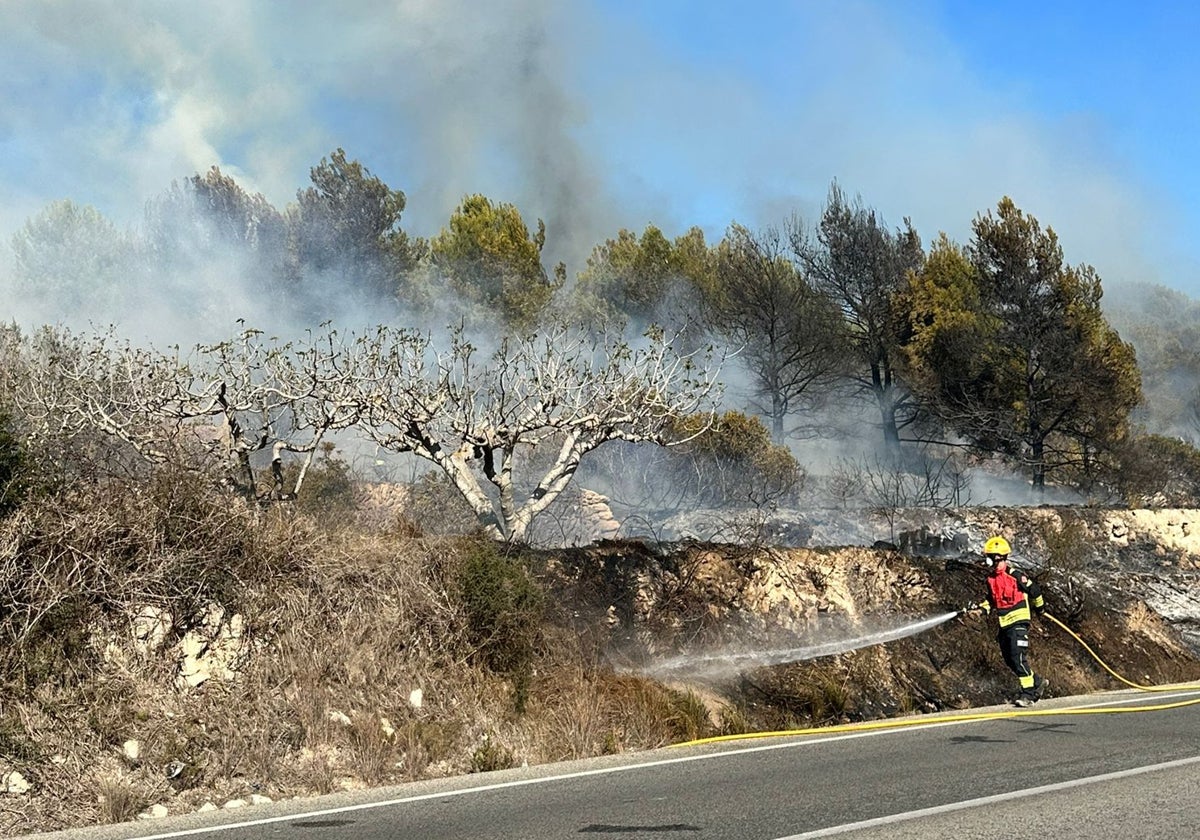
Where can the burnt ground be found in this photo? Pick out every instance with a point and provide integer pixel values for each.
(641, 604)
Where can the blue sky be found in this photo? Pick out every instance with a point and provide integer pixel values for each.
(602, 114)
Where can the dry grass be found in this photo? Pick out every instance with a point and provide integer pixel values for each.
(337, 622)
(1139, 618)
(119, 799)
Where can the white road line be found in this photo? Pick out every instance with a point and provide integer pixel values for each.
(988, 800)
(602, 771)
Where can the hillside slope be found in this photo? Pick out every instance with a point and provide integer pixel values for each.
(343, 659)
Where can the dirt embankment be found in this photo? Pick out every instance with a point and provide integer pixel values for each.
(700, 608)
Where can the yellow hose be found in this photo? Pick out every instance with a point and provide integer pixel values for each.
(1104, 665)
(898, 723)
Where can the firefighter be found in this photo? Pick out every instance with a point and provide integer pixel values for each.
(1011, 594)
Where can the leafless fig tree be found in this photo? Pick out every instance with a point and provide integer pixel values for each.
(481, 419)
(508, 430)
(211, 408)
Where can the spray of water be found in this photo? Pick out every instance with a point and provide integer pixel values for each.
(716, 665)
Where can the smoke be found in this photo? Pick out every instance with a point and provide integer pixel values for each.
(590, 116)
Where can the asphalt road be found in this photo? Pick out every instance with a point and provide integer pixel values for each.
(1077, 777)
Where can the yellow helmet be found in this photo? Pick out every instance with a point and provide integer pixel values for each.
(997, 545)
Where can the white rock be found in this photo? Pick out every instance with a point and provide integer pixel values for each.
(339, 717)
(193, 645)
(132, 750)
(195, 677)
(206, 808)
(389, 731)
(154, 812)
(14, 782)
(235, 803)
(215, 648)
(151, 626)
(415, 698)
(259, 799)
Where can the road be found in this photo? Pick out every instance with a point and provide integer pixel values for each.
(1070, 777)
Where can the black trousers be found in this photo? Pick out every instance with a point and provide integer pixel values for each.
(1014, 646)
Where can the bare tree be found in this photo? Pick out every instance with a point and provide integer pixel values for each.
(891, 485)
(219, 405)
(213, 407)
(479, 422)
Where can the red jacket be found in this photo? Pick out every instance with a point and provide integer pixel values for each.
(1007, 595)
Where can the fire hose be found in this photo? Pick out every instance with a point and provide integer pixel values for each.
(1104, 664)
(899, 723)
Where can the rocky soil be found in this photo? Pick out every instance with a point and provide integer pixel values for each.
(719, 618)
(1151, 555)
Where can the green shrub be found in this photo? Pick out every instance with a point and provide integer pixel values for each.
(689, 719)
(1157, 470)
(731, 464)
(734, 720)
(504, 608)
(734, 463)
(1068, 552)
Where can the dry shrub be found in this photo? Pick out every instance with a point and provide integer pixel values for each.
(421, 743)
(314, 771)
(834, 695)
(336, 621)
(579, 713)
(252, 744)
(651, 715)
(15, 743)
(328, 491)
(73, 571)
(172, 542)
(796, 696)
(434, 507)
(372, 751)
(1141, 619)
(571, 717)
(119, 799)
(374, 621)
